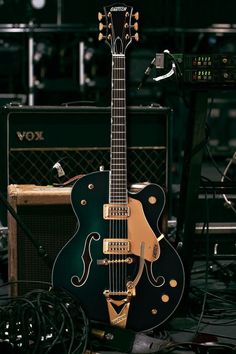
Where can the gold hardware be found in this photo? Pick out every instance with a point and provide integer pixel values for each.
(116, 246)
(100, 16)
(90, 186)
(136, 15)
(98, 333)
(101, 26)
(140, 269)
(152, 200)
(118, 318)
(101, 37)
(165, 298)
(106, 261)
(115, 211)
(130, 285)
(83, 202)
(136, 37)
(134, 26)
(173, 283)
(154, 311)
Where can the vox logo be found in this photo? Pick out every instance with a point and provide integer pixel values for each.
(30, 135)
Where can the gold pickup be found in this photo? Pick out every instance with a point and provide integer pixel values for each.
(116, 246)
(116, 211)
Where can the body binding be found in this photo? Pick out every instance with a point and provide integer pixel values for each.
(76, 267)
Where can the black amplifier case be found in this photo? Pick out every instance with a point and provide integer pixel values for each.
(34, 138)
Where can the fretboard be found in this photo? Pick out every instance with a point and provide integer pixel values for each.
(118, 157)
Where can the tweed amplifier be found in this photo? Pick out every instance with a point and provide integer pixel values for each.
(33, 139)
(47, 213)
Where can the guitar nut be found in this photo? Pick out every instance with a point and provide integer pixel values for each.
(83, 202)
(90, 186)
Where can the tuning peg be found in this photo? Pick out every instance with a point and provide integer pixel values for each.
(101, 37)
(135, 26)
(102, 26)
(100, 16)
(136, 16)
(136, 37)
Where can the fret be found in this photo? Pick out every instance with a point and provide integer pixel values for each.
(120, 200)
(118, 191)
(118, 154)
(117, 173)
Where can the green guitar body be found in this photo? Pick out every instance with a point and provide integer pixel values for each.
(78, 267)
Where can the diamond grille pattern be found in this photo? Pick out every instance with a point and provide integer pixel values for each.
(36, 166)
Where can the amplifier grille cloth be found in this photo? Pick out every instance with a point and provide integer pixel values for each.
(35, 166)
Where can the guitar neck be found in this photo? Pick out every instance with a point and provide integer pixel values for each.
(118, 157)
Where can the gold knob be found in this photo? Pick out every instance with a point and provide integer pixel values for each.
(173, 283)
(152, 199)
(165, 298)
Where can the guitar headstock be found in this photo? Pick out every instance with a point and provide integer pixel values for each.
(118, 26)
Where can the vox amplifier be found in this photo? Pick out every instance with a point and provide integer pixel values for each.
(33, 139)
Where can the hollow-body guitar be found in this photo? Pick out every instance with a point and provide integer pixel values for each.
(119, 265)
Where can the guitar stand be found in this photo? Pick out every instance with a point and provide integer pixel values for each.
(190, 180)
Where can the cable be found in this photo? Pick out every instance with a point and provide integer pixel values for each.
(206, 265)
(232, 160)
(147, 73)
(43, 322)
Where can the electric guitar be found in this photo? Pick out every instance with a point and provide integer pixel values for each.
(119, 265)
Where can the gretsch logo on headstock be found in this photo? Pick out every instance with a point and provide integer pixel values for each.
(118, 8)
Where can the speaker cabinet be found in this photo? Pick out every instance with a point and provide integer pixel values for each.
(34, 139)
(47, 213)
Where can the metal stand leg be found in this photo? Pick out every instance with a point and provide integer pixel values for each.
(189, 189)
(31, 70)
